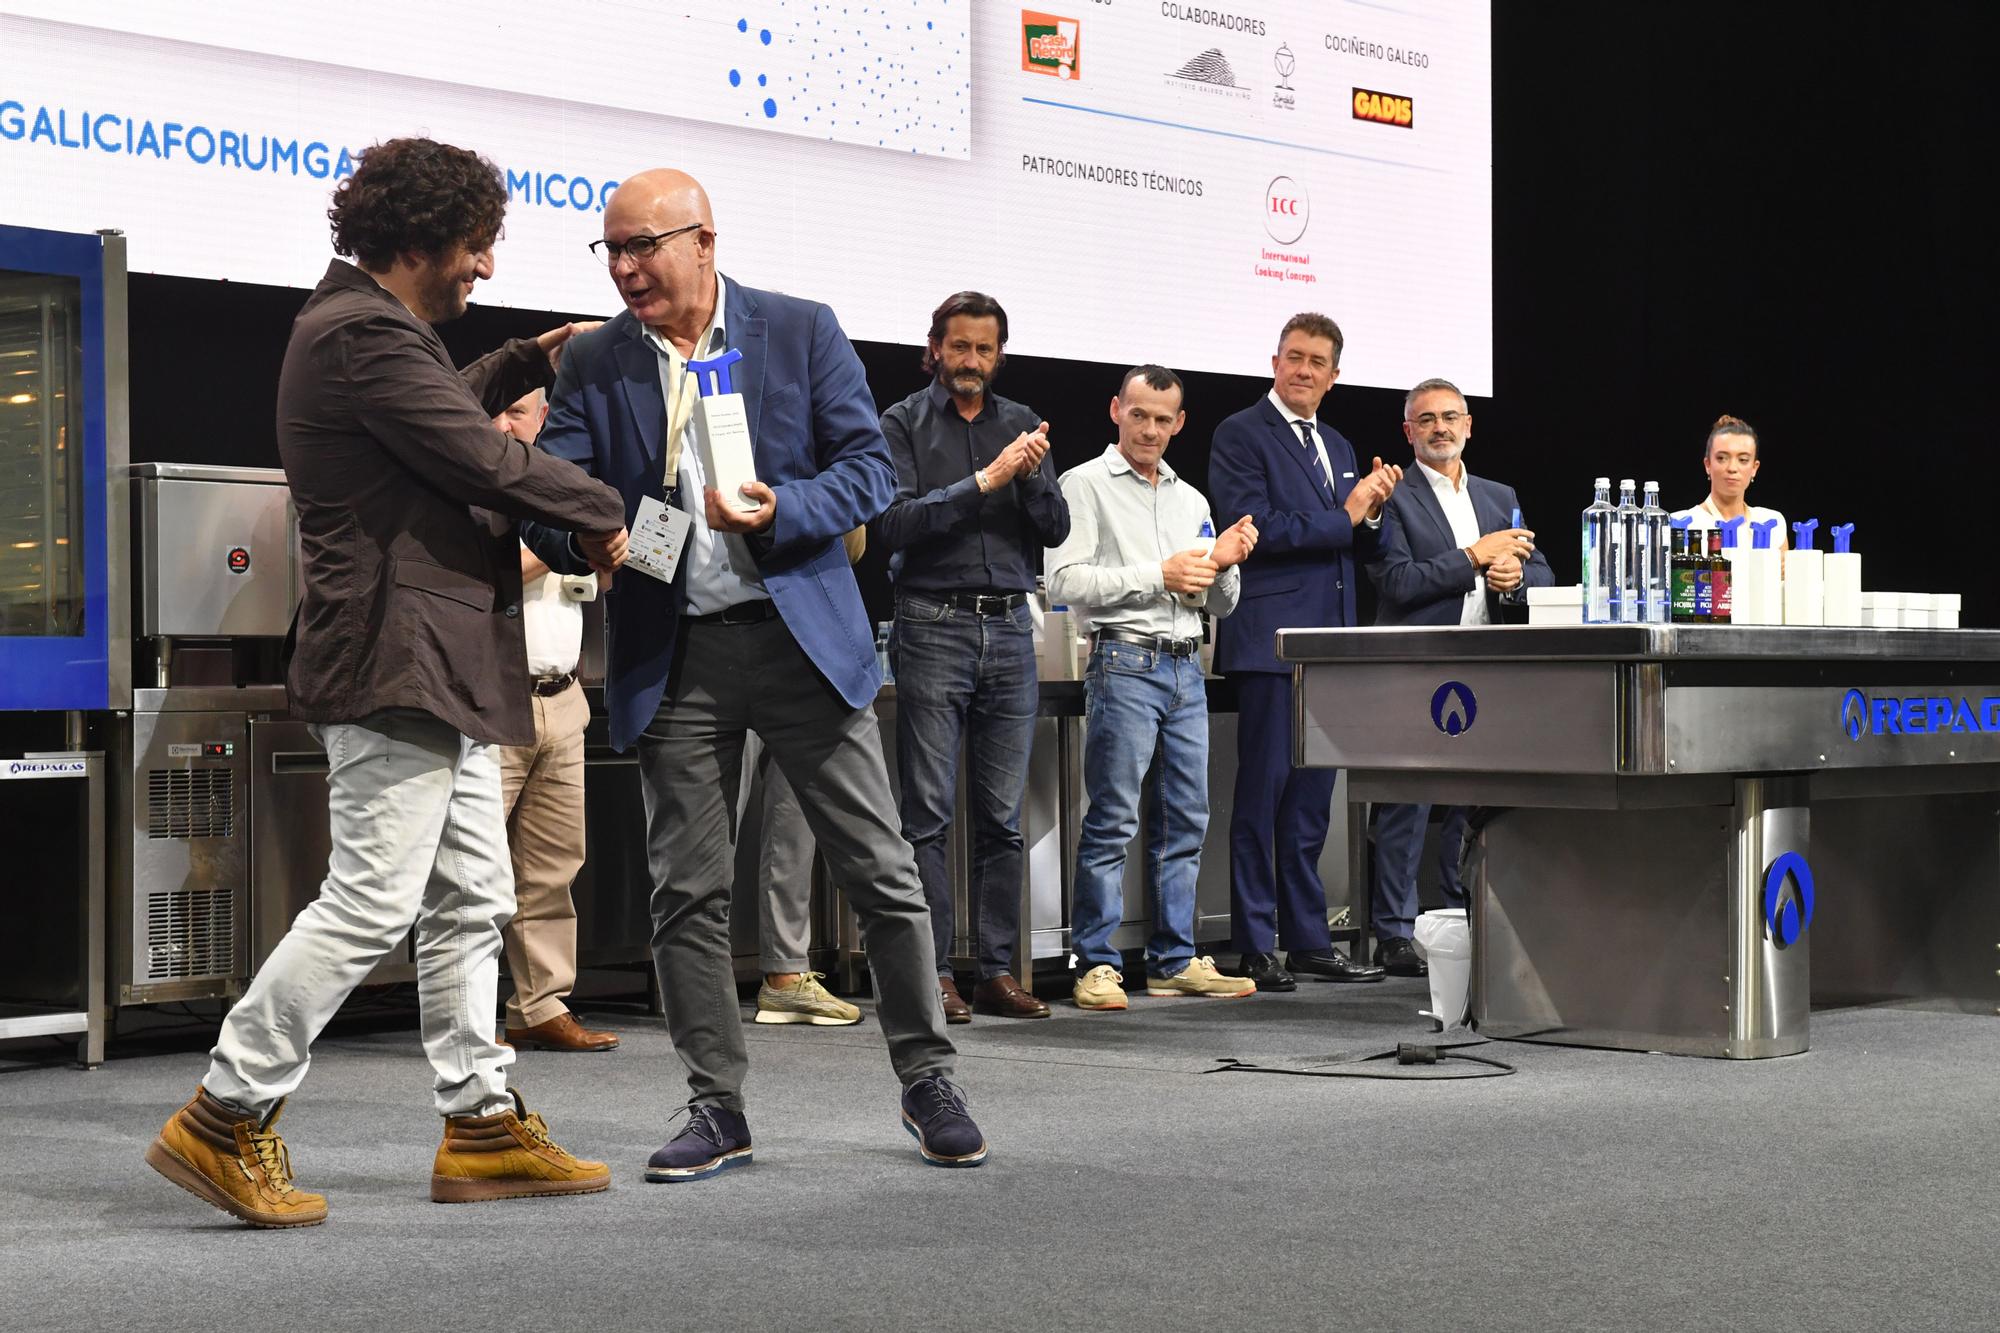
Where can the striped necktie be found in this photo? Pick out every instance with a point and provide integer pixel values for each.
(1312, 455)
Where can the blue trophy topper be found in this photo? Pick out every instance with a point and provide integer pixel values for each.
(712, 375)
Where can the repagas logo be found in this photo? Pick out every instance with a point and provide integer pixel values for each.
(1453, 708)
(1788, 899)
(1049, 44)
(1385, 108)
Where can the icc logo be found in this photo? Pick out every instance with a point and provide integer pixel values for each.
(1854, 714)
(1286, 209)
(1453, 708)
(1787, 914)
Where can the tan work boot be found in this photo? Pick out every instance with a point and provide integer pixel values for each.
(507, 1156)
(238, 1164)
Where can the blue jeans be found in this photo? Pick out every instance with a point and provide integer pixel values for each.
(1143, 711)
(961, 676)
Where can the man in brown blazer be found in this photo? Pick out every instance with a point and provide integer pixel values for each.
(409, 660)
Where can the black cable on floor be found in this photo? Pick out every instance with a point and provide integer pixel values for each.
(1407, 1055)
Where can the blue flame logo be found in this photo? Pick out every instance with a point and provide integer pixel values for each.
(1854, 714)
(1787, 914)
(1453, 708)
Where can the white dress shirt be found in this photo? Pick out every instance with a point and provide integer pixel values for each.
(1121, 529)
(721, 572)
(1456, 500)
(553, 626)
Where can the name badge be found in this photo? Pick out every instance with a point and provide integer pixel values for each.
(659, 535)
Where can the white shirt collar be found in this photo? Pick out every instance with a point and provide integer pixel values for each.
(1440, 482)
(1287, 412)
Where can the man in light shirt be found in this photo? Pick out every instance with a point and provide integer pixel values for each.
(541, 789)
(1140, 566)
(1449, 547)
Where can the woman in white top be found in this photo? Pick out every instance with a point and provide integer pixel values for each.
(1731, 463)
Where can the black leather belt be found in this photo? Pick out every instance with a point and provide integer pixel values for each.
(1159, 643)
(980, 603)
(743, 613)
(545, 686)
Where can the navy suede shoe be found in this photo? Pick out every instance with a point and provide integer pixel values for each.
(714, 1139)
(934, 1113)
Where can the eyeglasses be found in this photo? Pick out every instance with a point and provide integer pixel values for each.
(639, 248)
(1429, 419)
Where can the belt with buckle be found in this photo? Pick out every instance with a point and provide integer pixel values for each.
(981, 603)
(544, 686)
(743, 613)
(1159, 643)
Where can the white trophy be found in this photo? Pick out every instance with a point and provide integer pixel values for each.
(722, 430)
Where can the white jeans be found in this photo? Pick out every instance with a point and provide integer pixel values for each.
(419, 837)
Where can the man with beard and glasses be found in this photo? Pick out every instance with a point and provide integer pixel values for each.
(976, 503)
(409, 660)
(759, 626)
(1448, 549)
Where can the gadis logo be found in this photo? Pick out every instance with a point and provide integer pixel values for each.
(1788, 899)
(1453, 708)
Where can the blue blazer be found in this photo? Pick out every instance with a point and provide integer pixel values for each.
(1420, 574)
(1302, 572)
(818, 444)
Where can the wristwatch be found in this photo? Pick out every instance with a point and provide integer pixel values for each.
(980, 478)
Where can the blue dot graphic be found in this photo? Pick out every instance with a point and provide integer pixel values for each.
(760, 80)
(735, 79)
(764, 36)
(770, 109)
(743, 25)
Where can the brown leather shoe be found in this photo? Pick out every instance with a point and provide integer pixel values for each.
(956, 1010)
(561, 1033)
(1005, 997)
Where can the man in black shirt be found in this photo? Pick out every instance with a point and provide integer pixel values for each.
(976, 502)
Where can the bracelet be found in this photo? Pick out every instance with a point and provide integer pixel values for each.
(980, 478)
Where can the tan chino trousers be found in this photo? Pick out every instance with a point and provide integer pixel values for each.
(541, 788)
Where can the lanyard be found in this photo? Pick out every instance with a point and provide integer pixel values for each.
(680, 410)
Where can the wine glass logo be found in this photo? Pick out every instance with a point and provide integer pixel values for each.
(1286, 63)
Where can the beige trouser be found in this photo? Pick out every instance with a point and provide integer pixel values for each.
(541, 788)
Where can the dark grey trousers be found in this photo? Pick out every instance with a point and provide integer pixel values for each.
(730, 680)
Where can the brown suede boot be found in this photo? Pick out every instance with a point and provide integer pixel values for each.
(507, 1156)
(238, 1164)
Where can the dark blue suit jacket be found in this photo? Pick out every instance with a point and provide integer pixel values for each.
(1420, 574)
(1302, 572)
(818, 443)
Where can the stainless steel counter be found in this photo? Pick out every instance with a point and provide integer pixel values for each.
(1657, 799)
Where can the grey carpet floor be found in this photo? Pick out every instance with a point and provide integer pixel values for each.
(1130, 1186)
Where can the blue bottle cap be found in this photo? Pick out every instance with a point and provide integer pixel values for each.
(1729, 527)
(1514, 517)
(1760, 534)
(1842, 534)
(1803, 531)
(1681, 523)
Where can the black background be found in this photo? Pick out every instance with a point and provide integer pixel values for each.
(1766, 210)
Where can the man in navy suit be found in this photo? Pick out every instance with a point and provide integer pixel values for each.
(758, 626)
(1295, 478)
(1451, 545)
